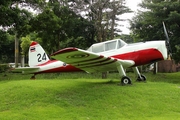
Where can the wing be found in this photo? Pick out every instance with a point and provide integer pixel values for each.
(89, 61)
(26, 69)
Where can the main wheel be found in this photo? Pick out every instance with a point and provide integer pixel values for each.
(125, 80)
(142, 78)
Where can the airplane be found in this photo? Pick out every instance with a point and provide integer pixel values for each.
(100, 57)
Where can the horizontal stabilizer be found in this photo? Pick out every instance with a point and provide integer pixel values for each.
(26, 70)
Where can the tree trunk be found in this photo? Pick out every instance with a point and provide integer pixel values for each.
(16, 50)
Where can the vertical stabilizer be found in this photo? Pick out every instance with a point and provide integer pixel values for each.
(37, 55)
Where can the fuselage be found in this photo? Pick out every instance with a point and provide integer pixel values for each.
(141, 53)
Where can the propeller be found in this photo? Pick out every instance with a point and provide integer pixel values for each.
(167, 42)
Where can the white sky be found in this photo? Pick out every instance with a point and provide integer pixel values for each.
(132, 4)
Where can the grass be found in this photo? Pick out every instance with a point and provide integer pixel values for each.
(79, 96)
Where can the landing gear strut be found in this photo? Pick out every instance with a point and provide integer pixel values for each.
(140, 77)
(124, 80)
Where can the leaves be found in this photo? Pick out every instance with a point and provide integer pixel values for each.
(147, 25)
(25, 42)
(60, 24)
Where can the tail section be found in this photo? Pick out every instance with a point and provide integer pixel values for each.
(37, 55)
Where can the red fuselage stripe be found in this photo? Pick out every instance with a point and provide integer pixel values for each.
(141, 57)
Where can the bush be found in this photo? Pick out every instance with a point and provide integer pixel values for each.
(4, 68)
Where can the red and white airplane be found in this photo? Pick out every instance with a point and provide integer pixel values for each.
(100, 57)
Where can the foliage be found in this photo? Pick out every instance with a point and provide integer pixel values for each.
(103, 14)
(58, 25)
(127, 38)
(25, 42)
(14, 20)
(6, 47)
(177, 57)
(3, 68)
(147, 25)
(14, 17)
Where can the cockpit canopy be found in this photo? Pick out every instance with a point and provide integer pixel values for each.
(107, 45)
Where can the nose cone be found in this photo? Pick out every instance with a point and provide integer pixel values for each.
(164, 50)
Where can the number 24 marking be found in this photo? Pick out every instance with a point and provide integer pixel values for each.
(41, 57)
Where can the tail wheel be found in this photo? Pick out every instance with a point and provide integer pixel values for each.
(125, 80)
(142, 78)
(33, 77)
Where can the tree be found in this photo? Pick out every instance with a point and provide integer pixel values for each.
(47, 25)
(12, 9)
(117, 8)
(60, 27)
(102, 13)
(25, 42)
(15, 18)
(6, 47)
(147, 25)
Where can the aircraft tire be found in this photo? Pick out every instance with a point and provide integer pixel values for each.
(125, 80)
(143, 78)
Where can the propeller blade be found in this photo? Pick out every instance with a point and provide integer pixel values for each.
(167, 41)
(166, 34)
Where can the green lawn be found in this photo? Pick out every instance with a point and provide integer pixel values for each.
(81, 96)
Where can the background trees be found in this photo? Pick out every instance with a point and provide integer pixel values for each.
(14, 21)
(57, 24)
(103, 14)
(6, 47)
(147, 25)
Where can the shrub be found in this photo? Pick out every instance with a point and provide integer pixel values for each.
(4, 68)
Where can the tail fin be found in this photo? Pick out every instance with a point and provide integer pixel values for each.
(37, 55)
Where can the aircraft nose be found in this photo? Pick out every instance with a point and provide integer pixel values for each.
(165, 50)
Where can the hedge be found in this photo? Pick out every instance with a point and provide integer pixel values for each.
(4, 68)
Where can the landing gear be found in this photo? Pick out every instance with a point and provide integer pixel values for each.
(33, 77)
(125, 80)
(141, 78)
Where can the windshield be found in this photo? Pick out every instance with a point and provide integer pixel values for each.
(107, 45)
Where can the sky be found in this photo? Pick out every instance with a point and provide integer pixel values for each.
(133, 5)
